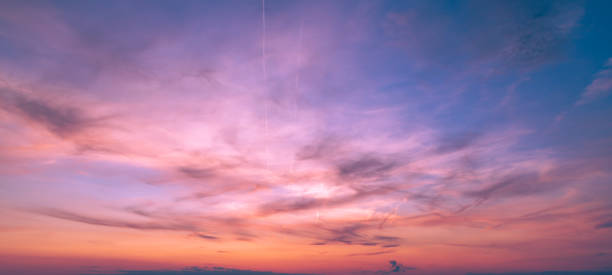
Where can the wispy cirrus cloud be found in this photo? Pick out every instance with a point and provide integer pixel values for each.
(510, 35)
(599, 87)
(348, 132)
(62, 121)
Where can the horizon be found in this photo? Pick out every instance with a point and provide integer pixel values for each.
(305, 137)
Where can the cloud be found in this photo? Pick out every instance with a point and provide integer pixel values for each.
(600, 87)
(321, 156)
(204, 236)
(197, 173)
(386, 238)
(371, 253)
(556, 177)
(324, 148)
(522, 184)
(509, 35)
(305, 203)
(396, 268)
(606, 224)
(70, 216)
(539, 38)
(346, 234)
(358, 233)
(365, 167)
(62, 121)
(452, 143)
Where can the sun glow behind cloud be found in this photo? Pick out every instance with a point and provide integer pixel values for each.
(147, 136)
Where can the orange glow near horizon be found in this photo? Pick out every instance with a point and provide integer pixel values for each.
(299, 137)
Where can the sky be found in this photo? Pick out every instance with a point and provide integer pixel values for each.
(305, 137)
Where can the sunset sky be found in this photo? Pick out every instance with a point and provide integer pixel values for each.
(311, 137)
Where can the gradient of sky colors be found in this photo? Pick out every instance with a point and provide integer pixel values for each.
(327, 137)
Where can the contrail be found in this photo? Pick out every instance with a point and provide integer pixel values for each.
(265, 79)
(263, 39)
(297, 72)
(297, 84)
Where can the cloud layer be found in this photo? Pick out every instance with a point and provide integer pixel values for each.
(256, 135)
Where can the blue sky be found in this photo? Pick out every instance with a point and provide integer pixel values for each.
(442, 136)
